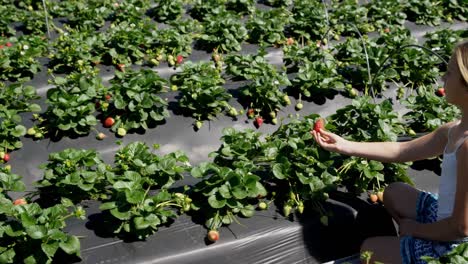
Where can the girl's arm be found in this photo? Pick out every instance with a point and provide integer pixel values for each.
(427, 146)
(456, 226)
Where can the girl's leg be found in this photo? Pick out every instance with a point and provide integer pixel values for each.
(400, 200)
(385, 249)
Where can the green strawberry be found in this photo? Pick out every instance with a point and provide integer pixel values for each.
(121, 131)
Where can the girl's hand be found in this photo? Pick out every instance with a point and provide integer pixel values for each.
(330, 141)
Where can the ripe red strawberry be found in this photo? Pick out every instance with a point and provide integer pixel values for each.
(1, 46)
(6, 157)
(108, 97)
(109, 122)
(213, 235)
(8, 44)
(289, 41)
(441, 91)
(258, 121)
(319, 124)
(20, 201)
(180, 59)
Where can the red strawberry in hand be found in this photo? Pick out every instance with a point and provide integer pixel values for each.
(109, 122)
(180, 59)
(258, 121)
(319, 124)
(441, 91)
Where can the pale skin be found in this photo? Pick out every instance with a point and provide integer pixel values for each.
(399, 198)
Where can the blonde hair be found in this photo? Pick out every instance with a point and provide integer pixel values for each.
(461, 53)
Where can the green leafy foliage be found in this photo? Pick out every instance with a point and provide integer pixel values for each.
(168, 10)
(309, 23)
(157, 171)
(427, 12)
(18, 57)
(132, 210)
(76, 49)
(263, 92)
(366, 121)
(10, 182)
(31, 234)
(346, 17)
(135, 100)
(75, 174)
(458, 255)
(202, 95)
(71, 104)
(10, 129)
(301, 170)
(224, 32)
(386, 13)
(224, 193)
(268, 26)
(427, 111)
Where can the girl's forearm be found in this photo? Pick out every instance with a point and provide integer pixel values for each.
(443, 230)
(379, 151)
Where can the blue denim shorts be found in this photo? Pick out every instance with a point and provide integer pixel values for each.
(411, 248)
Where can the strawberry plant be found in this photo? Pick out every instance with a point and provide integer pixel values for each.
(348, 16)
(19, 97)
(427, 111)
(224, 32)
(136, 101)
(386, 13)
(442, 42)
(427, 12)
(241, 6)
(170, 42)
(9, 15)
(10, 129)
(263, 93)
(18, 57)
(71, 104)
(76, 49)
(238, 147)
(34, 22)
(168, 10)
(126, 42)
(31, 234)
(130, 11)
(75, 174)
(157, 171)
(202, 9)
(224, 193)
(301, 170)
(455, 9)
(316, 74)
(417, 66)
(268, 26)
(309, 23)
(365, 121)
(202, 95)
(88, 14)
(361, 67)
(10, 182)
(133, 212)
